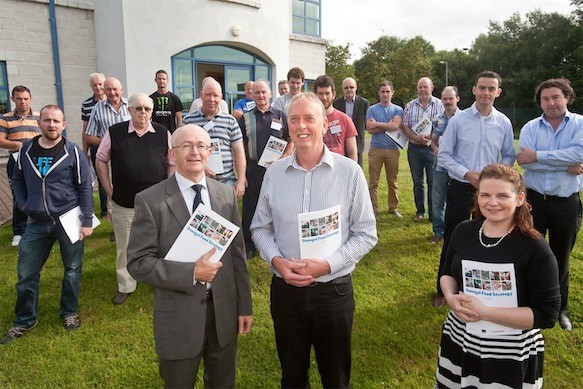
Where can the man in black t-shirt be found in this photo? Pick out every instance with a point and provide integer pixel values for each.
(167, 106)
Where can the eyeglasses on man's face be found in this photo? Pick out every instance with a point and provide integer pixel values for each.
(188, 147)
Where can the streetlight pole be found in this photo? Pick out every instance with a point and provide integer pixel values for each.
(446, 72)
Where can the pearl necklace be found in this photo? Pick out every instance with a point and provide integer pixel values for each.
(492, 244)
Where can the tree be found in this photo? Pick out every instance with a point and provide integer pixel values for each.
(337, 67)
(401, 61)
(526, 51)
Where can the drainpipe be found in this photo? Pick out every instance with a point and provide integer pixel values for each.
(56, 57)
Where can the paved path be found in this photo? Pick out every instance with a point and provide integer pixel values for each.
(5, 195)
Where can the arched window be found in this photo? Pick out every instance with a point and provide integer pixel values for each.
(231, 67)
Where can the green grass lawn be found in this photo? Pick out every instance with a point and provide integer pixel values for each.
(396, 330)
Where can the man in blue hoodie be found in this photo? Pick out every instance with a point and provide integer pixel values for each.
(51, 178)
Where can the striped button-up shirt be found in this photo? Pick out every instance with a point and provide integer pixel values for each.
(289, 190)
(226, 131)
(105, 116)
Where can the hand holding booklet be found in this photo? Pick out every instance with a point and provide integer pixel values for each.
(423, 128)
(273, 151)
(204, 230)
(494, 284)
(320, 233)
(71, 222)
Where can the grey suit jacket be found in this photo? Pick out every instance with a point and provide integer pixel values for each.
(179, 306)
(361, 105)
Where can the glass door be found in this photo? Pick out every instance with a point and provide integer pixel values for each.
(235, 78)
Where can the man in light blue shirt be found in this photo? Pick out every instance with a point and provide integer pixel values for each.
(474, 138)
(551, 153)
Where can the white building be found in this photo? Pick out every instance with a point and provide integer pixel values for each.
(231, 40)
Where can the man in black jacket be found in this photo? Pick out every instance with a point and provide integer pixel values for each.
(355, 107)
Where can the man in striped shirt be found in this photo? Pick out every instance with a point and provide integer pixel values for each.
(224, 132)
(16, 127)
(312, 301)
(96, 81)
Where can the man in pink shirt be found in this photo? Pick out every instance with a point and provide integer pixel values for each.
(341, 135)
(138, 152)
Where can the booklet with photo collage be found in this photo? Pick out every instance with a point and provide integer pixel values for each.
(204, 230)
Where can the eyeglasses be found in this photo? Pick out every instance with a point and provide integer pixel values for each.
(140, 109)
(188, 147)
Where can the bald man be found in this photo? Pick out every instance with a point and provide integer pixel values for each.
(356, 107)
(199, 307)
(245, 104)
(223, 130)
(419, 152)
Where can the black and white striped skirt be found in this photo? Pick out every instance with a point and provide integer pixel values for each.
(502, 361)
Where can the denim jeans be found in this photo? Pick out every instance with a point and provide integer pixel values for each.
(421, 158)
(438, 201)
(19, 218)
(33, 251)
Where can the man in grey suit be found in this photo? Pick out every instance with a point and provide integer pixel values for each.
(199, 307)
(355, 107)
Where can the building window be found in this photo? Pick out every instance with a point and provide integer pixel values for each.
(306, 17)
(4, 100)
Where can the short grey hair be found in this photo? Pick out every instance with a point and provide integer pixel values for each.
(137, 98)
(101, 76)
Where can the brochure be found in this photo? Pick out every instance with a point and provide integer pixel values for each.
(320, 233)
(204, 230)
(71, 222)
(398, 137)
(272, 152)
(215, 161)
(495, 285)
(423, 128)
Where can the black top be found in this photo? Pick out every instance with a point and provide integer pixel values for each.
(136, 162)
(537, 274)
(165, 108)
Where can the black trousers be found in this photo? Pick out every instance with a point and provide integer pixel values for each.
(320, 315)
(102, 194)
(560, 218)
(460, 201)
(254, 176)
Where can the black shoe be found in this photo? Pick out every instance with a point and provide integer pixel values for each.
(120, 298)
(71, 323)
(250, 254)
(565, 322)
(16, 332)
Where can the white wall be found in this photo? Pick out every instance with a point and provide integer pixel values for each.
(150, 34)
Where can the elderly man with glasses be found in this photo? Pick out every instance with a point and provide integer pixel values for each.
(138, 152)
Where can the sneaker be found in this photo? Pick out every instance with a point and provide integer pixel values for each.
(396, 214)
(16, 332)
(16, 240)
(71, 323)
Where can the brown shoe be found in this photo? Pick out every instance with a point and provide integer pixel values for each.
(438, 301)
(435, 239)
(120, 298)
(112, 237)
(418, 219)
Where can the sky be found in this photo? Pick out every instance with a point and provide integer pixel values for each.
(447, 24)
